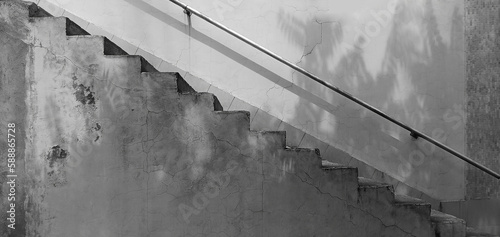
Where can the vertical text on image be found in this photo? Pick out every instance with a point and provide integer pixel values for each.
(11, 175)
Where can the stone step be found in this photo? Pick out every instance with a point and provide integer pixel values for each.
(471, 232)
(330, 165)
(307, 158)
(341, 178)
(379, 191)
(73, 29)
(127, 64)
(87, 47)
(36, 11)
(414, 204)
(111, 48)
(201, 100)
(304, 165)
(136, 63)
(447, 225)
(235, 124)
(270, 139)
(407, 200)
(50, 31)
(61, 26)
(168, 81)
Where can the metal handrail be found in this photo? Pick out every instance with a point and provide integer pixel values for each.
(413, 132)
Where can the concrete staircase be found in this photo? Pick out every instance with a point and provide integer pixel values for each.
(146, 155)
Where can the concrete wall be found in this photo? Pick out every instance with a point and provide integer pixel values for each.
(482, 27)
(404, 57)
(111, 148)
(14, 69)
(483, 96)
(481, 214)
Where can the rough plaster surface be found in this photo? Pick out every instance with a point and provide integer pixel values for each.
(483, 96)
(113, 151)
(480, 214)
(408, 64)
(260, 119)
(14, 70)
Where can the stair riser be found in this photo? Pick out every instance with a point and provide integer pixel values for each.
(380, 195)
(50, 33)
(449, 230)
(199, 101)
(275, 140)
(297, 192)
(85, 50)
(238, 123)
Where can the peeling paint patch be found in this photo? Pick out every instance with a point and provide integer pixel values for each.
(84, 94)
(97, 127)
(56, 174)
(56, 152)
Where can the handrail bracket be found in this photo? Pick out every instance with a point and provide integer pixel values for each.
(414, 134)
(187, 11)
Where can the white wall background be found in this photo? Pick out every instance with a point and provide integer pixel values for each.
(404, 57)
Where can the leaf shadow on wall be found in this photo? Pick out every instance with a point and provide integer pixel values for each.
(422, 66)
(419, 79)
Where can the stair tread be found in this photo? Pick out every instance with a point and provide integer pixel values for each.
(267, 131)
(123, 56)
(330, 165)
(288, 148)
(366, 182)
(85, 36)
(406, 200)
(145, 65)
(160, 73)
(437, 216)
(233, 112)
(471, 232)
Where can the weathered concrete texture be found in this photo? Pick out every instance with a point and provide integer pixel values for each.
(14, 69)
(260, 119)
(483, 95)
(113, 149)
(471, 232)
(482, 215)
(404, 57)
(447, 225)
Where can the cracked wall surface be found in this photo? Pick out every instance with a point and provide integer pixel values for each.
(403, 57)
(144, 160)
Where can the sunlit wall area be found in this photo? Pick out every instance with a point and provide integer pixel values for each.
(403, 57)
